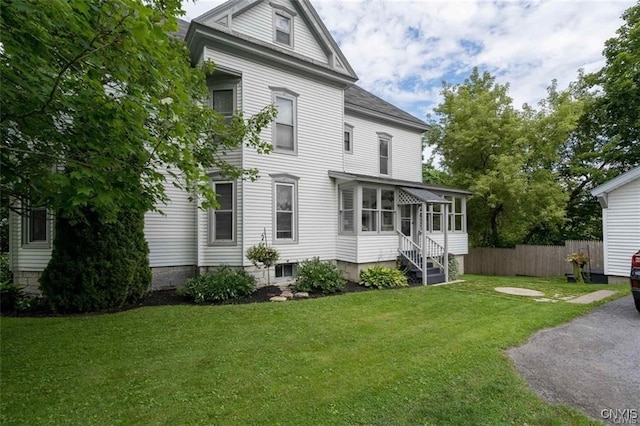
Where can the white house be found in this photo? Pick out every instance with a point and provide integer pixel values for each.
(343, 182)
(620, 201)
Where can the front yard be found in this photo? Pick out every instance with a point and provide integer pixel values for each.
(420, 355)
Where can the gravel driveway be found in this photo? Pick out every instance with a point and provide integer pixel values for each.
(592, 363)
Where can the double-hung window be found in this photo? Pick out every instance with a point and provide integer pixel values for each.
(284, 211)
(284, 128)
(35, 227)
(222, 227)
(347, 204)
(283, 27)
(384, 153)
(348, 139)
(224, 102)
(283, 20)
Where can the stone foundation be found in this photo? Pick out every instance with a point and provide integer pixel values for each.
(29, 279)
(162, 278)
(352, 270)
(166, 277)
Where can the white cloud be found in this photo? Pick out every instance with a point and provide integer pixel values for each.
(403, 50)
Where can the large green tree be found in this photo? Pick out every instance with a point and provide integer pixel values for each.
(606, 141)
(100, 106)
(492, 149)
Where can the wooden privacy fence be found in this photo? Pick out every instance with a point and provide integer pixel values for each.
(536, 261)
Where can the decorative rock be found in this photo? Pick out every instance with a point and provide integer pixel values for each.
(287, 294)
(278, 299)
(519, 291)
(301, 295)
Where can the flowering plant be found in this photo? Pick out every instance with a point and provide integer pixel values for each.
(579, 259)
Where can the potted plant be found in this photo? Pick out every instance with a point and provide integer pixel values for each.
(265, 255)
(578, 260)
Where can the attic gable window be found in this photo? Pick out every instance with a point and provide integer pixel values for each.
(282, 25)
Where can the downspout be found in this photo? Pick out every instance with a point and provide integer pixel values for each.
(424, 243)
(445, 261)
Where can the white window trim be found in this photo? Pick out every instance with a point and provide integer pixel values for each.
(286, 13)
(354, 211)
(393, 210)
(281, 92)
(388, 138)
(212, 241)
(284, 179)
(26, 230)
(227, 86)
(348, 128)
(378, 210)
(453, 214)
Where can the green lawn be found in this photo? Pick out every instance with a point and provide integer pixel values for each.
(431, 355)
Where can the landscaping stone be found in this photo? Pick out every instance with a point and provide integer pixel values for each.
(278, 299)
(592, 297)
(519, 291)
(301, 295)
(287, 294)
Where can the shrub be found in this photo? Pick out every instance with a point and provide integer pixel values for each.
(383, 277)
(222, 285)
(11, 297)
(5, 274)
(318, 276)
(96, 265)
(454, 270)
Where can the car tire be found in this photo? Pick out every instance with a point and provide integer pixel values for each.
(637, 302)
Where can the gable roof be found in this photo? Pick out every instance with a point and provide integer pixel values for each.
(603, 190)
(232, 8)
(358, 100)
(183, 27)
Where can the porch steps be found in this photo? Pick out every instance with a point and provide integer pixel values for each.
(434, 274)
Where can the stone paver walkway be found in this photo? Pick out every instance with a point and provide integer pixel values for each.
(592, 297)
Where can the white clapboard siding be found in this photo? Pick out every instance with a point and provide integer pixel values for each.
(458, 241)
(406, 150)
(319, 140)
(622, 228)
(377, 248)
(257, 22)
(346, 248)
(172, 236)
(23, 257)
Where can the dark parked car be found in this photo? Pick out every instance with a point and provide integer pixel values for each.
(635, 279)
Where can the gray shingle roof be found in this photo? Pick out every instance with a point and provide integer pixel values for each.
(365, 102)
(183, 27)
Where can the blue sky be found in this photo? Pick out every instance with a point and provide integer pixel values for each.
(403, 50)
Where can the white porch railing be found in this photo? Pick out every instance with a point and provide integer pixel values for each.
(410, 250)
(435, 252)
(413, 252)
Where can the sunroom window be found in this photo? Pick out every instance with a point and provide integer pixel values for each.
(347, 204)
(369, 209)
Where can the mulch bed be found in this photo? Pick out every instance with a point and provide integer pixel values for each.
(171, 297)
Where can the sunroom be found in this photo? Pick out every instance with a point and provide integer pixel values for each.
(381, 221)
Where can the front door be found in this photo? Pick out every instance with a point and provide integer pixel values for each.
(406, 219)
